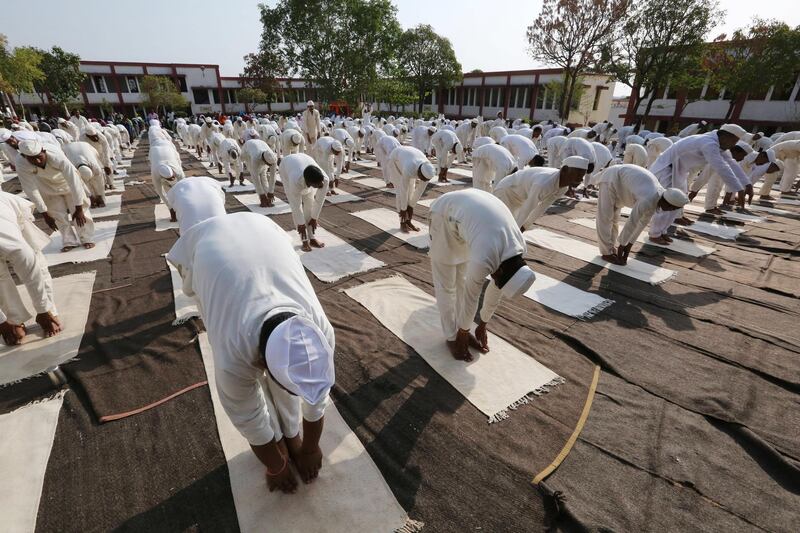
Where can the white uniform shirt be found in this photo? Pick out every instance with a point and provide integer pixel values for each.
(196, 199)
(404, 163)
(294, 185)
(58, 177)
(238, 286)
(529, 192)
(692, 154)
(522, 148)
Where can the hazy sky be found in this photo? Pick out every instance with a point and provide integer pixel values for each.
(489, 35)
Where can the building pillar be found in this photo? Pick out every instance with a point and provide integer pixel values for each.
(630, 113)
(460, 97)
(508, 96)
(116, 84)
(219, 89)
(534, 96)
(480, 95)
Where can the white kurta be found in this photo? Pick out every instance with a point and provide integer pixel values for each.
(262, 163)
(102, 147)
(83, 154)
(306, 202)
(230, 156)
(635, 154)
(21, 244)
(323, 154)
(444, 142)
(238, 286)
(529, 192)
(163, 154)
(625, 186)
(521, 148)
(311, 125)
(196, 199)
(383, 150)
(491, 163)
(404, 163)
(421, 139)
(788, 151)
(472, 233)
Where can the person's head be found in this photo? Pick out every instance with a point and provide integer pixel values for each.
(314, 177)
(336, 147)
(75, 113)
(33, 151)
(85, 172)
(513, 277)
(672, 199)
(537, 161)
(165, 171)
(455, 147)
(6, 137)
(729, 135)
(310, 104)
(573, 169)
(431, 131)
(92, 133)
(738, 153)
(300, 359)
(703, 126)
(233, 154)
(537, 131)
(361, 133)
(591, 135)
(473, 123)
(268, 157)
(296, 138)
(590, 168)
(426, 171)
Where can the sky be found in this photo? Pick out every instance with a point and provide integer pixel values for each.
(488, 35)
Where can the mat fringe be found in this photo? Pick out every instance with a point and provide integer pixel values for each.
(185, 318)
(656, 283)
(411, 526)
(54, 396)
(595, 310)
(528, 398)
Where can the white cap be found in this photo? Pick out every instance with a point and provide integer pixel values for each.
(299, 358)
(154, 122)
(61, 120)
(251, 133)
(4, 135)
(165, 171)
(297, 138)
(336, 147)
(634, 139)
(428, 170)
(734, 129)
(576, 161)
(309, 103)
(30, 147)
(520, 282)
(90, 130)
(209, 120)
(773, 158)
(675, 197)
(85, 172)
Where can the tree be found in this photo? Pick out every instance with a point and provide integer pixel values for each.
(765, 54)
(251, 96)
(658, 39)
(337, 45)
(394, 91)
(160, 91)
(20, 71)
(63, 77)
(262, 68)
(571, 34)
(427, 60)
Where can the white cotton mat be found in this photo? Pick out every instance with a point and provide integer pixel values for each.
(342, 197)
(185, 307)
(461, 172)
(374, 183)
(8, 176)
(112, 208)
(678, 245)
(37, 353)
(247, 187)
(252, 202)
(104, 233)
(728, 215)
(450, 182)
(388, 221)
(590, 253)
(26, 440)
(787, 201)
(368, 164)
(119, 187)
(352, 174)
(162, 218)
(336, 260)
(428, 202)
(713, 229)
(565, 298)
(350, 495)
(494, 382)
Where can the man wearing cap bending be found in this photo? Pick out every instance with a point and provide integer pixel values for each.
(273, 345)
(195, 200)
(689, 155)
(529, 192)
(474, 235)
(311, 124)
(325, 151)
(292, 142)
(409, 171)
(262, 163)
(92, 135)
(306, 186)
(165, 171)
(54, 186)
(490, 164)
(635, 187)
(90, 167)
(21, 243)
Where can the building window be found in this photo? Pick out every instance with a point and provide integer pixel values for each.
(519, 97)
(215, 96)
(230, 96)
(540, 97)
(99, 84)
(598, 92)
(182, 84)
(200, 96)
(132, 83)
(781, 92)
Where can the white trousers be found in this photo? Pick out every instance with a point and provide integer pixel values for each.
(482, 175)
(59, 208)
(789, 174)
(769, 181)
(29, 265)
(285, 412)
(448, 286)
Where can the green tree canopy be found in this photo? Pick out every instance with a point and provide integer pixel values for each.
(63, 77)
(19, 70)
(251, 95)
(160, 91)
(339, 46)
(427, 60)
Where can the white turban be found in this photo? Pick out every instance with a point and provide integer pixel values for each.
(85, 172)
(90, 130)
(520, 282)
(734, 129)
(208, 120)
(154, 122)
(297, 138)
(576, 161)
(300, 359)
(30, 147)
(310, 103)
(336, 147)
(165, 171)
(676, 197)
(428, 170)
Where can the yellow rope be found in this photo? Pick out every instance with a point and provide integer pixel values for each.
(571, 441)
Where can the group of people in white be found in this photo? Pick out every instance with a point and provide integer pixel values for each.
(273, 345)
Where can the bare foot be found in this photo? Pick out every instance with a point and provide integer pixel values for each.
(404, 227)
(613, 259)
(714, 211)
(390, 186)
(466, 356)
(474, 343)
(67, 248)
(264, 201)
(316, 244)
(88, 245)
(305, 247)
(658, 240)
(411, 226)
(767, 198)
(683, 221)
